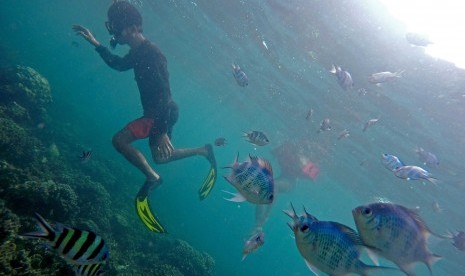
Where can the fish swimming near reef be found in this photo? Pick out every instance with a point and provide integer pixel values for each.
(76, 246)
(415, 173)
(328, 246)
(85, 156)
(89, 270)
(369, 123)
(253, 243)
(253, 179)
(220, 142)
(240, 76)
(381, 77)
(427, 158)
(344, 79)
(396, 233)
(391, 162)
(257, 138)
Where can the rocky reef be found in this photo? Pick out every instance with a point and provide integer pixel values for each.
(36, 175)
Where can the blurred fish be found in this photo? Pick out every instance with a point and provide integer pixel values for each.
(397, 233)
(384, 76)
(253, 179)
(414, 173)
(362, 91)
(391, 162)
(427, 158)
(343, 134)
(76, 246)
(327, 246)
(459, 240)
(344, 79)
(240, 76)
(253, 243)
(418, 39)
(436, 207)
(220, 141)
(256, 137)
(309, 114)
(89, 270)
(370, 123)
(85, 156)
(325, 125)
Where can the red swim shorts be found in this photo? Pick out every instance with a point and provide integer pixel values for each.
(141, 127)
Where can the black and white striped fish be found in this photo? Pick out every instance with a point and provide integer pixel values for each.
(89, 270)
(76, 246)
(240, 76)
(256, 137)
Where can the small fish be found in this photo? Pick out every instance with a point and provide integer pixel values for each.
(391, 162)
(427, 158)
(436, 207)
(362, 91)
(325, 125)
(343, 134)
(253, 179)
(328, 246)
(370, 123)
(220, 141)
(396, 233)
(253, 243)
(414, 173)
(309, 114)
(264, 44)
(344, 79)
(418, 39)
(76, 246)
(459, 240)
(89, 270)
(384, 76)
(85, 156)
(240, 76)
(256, 137)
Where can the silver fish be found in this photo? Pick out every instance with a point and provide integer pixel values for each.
(253, 179)
(414, 173)
(397, 233)
(370, 123)
(327, 246)
(343, 134)
(384, 76)
(256, 137)
(325, 125)
(240, 76)
(391, 162)
(309, 114)
(253, 243)
(427, 158)
(344, 79)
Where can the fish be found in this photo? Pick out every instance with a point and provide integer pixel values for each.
(241, 78)
(436, 207)
(343, 134)
(391, 162)
(418, 39)
(325, 125)
(253, 179)
(253, 243)
(309, 114)
(77, 247)
(384, 76)
(370, 123)
(344, 79)
(362, 91)
(257, 138)
(459, 240)
(414, 173)
(89, 270)
(396, 233)
(85, 156)
(427, 158)
(220, 141)
(328, 246)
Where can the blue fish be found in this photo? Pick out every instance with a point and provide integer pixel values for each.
(343, 77)
(414, 173)
(253, 179)
(391, 162)
(240, 76)
(427, 158)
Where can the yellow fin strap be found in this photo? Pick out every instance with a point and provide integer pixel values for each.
(208, 183)
(147, 217)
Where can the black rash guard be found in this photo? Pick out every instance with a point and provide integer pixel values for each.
(152, 77)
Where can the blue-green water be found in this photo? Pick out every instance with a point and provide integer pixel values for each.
(200, 40)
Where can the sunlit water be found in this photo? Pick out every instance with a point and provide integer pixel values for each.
(287, 77)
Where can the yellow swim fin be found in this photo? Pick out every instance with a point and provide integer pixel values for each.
(144, 212)
(208, 183)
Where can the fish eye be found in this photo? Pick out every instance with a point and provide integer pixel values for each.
(304, 228)
(271, 197)
(366, 211)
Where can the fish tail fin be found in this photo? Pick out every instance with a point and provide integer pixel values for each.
(433, 180)
(368, 270)
(399, 73)
(236, 197)
(47, 231)
(333, 69)
(432, 258)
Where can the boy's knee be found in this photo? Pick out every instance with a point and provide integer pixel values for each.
(117, 144)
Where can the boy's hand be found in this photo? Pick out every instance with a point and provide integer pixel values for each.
(85, 33)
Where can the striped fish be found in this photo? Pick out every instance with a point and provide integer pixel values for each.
(256, 137)
(75, 246)
(89, 270)
(344, 79)
(327, 246)
(391, 162)
(253, 179)
(240, 76)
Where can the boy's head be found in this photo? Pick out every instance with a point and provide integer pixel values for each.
(122, 15)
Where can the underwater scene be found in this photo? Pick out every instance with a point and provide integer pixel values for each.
(322, 139)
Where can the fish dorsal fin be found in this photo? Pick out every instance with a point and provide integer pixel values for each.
(413, 214)
(351, 233)
(312, 268)
(261, 162)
